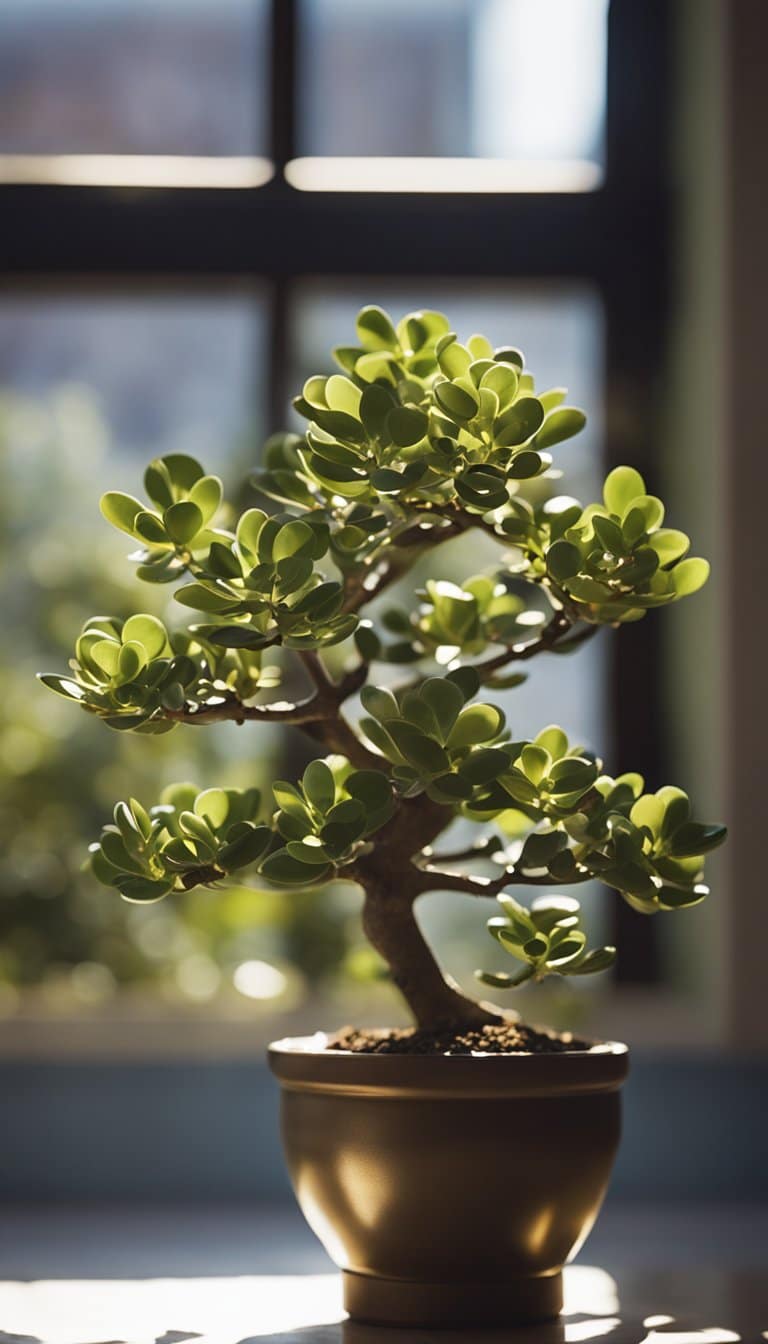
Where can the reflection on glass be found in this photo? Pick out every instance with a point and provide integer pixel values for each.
(560, 330)
(519, 80)
(133, 77)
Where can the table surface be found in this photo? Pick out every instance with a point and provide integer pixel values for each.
(231, 1275)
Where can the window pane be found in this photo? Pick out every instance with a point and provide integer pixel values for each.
(133, 77)
(91, 388)
(560, 330)
(519, 80)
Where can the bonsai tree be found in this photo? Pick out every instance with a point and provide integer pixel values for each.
(419, 440)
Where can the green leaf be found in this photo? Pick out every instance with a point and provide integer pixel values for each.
(131, 660)
(239, 637)
(183, 521)
(213, 806)
(183, 469)
(375, 406)
(467, 680)
(196, 827)
(206, 494)
(537, 948)
(418, 749)
(379, 702)
(676, 809)
(62, 686)
(203, 598)
(249, 531)
(371, 788)
(475, 723)
(157, 483)
(106, 655)
(142, 890)
(406, 425)
(519, 423)
(246, 847)
(541, 847)
(147, 631)
(454, 360)
(498, 980)
(445, 701)
(319, 786)
(292, 539)
(114, 850)
(622, 486)
(692, 838)
(553, 740)
(598, 960)
(368, 642)
(485, 765)
(150, 528)
(567, 949)
(456, 401)
(509, 355)
(689, 576)
(375, 330)
(563, 561)
(648, 811)
(559, 425)
(341, 394)
(572, 774)
(536, 763)
(669, 545)
(120, 510)
(517, 919)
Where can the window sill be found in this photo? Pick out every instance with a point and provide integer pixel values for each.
(142, 1026)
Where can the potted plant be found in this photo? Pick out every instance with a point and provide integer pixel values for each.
(450, 1169)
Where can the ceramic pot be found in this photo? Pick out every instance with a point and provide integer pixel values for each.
(449, 1189)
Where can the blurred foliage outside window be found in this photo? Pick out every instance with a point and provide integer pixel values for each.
(89, 391)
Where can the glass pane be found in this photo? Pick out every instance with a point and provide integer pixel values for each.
(91, 388)
(133, 77)
(520, 80)
(560, 330)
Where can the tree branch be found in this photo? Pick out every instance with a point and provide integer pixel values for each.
(552, 635)
(437, 880)
(480, 849)
(233, 710)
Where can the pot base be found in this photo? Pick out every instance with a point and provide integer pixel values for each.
(397, 1302)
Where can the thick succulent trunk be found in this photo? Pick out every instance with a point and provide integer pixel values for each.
(391, 927)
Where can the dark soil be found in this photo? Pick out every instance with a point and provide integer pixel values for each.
(508, 1038)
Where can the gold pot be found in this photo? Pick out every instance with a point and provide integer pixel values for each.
(449, 1189)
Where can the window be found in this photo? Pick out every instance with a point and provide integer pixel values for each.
(128, 92)
(177, 311)
(499, 94)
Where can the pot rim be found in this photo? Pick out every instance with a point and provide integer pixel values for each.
(304, 1064)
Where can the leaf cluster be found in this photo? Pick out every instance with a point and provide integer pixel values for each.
(178, 522)
(133, 674)
(416, 415)
(262, 581)
(324, 820)
(189, 837)
(195, 838)
(608, 562)
(460, 621)
(548, 939)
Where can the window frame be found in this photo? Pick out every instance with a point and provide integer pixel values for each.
(615, 238)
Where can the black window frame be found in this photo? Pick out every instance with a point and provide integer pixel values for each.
(615, 238)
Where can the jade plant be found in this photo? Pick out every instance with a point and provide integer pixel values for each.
(418, 440)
